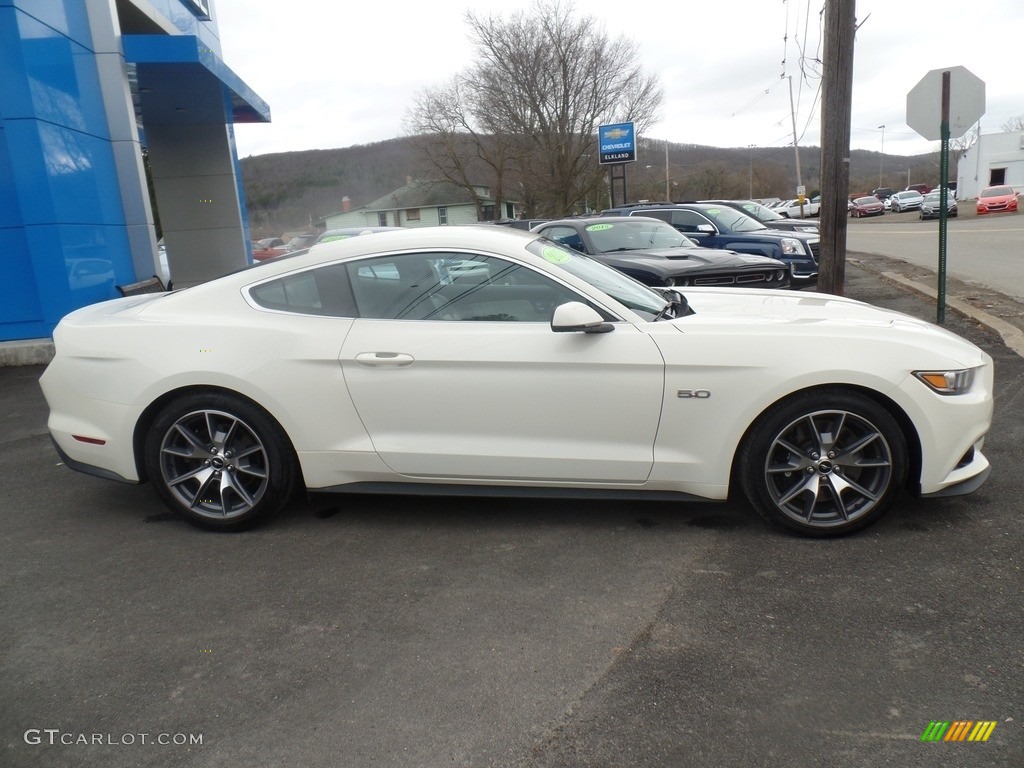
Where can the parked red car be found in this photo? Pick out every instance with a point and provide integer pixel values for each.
(997, 200)
(867, 206)
(262, 252)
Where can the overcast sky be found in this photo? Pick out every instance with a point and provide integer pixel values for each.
(337, 74)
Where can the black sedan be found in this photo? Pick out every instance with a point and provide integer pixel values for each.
(656, 254)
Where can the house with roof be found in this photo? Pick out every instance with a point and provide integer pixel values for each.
(425, 204)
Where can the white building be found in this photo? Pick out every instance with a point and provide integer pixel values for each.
(425, 204)
(997, 158)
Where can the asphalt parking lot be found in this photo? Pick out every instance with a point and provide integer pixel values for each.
(371, 631)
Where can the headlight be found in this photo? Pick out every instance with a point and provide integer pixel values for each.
(948, 382)
(792, 247)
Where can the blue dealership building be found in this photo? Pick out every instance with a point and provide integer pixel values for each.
(105, 106)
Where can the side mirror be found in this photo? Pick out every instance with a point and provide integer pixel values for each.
(577, 317)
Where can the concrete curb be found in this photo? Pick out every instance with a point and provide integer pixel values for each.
(27, 352)
(1012, 336)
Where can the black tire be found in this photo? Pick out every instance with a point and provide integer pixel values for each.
(220, 462)
(823, 463)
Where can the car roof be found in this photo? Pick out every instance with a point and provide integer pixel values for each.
(599, 220)
(500, 241)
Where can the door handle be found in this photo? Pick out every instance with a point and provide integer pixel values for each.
(389, 359)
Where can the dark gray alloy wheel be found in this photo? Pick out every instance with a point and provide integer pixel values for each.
(824, 463)
(219, 462)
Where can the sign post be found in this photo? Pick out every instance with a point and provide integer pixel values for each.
(946, 103)
(617, 146)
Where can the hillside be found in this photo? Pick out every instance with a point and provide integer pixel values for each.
(294, 191)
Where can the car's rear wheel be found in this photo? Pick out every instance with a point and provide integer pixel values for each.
(824, 463)
(219, 461)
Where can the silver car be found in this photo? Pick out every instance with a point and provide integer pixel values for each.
(907, 200)
(930, 205)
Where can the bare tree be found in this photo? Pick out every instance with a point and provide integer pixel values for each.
(530, 105)
(958, 146)
(1014, 124)
(452, 145)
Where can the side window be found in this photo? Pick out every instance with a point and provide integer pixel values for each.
(566, 236)
(454, 287)
(322, 291)
(687, 221)
(665, 216)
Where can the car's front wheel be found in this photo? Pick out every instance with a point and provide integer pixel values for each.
(219, 461)
(824, 463)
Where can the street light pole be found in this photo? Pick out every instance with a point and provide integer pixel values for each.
(750, 182)
(668, 186)
(881, 160)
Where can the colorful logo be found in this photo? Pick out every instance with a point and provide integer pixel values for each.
(958, 730)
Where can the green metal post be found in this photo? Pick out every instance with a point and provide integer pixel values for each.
(944, 191)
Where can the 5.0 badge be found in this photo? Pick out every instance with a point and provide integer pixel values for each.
(699, 394)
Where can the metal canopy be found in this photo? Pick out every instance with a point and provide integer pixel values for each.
(182, 81)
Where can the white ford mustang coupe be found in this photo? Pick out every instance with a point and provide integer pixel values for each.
(486, 361)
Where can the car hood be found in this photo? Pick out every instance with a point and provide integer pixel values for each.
(695, 257)
(816, 314)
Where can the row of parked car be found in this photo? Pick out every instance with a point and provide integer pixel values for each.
(665, 245)
(739, 243)
(795, 209)
(918, 197)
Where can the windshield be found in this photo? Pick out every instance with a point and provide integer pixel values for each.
(635, 233)
(623, 289)
(762, 212)
(731, 220)
(996, 192)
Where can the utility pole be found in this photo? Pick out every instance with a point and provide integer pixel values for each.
(836, 109)
(668, 186)
(796, 147)
(881, 156)
(750, 185)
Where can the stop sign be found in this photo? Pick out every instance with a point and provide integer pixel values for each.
(966, 103)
